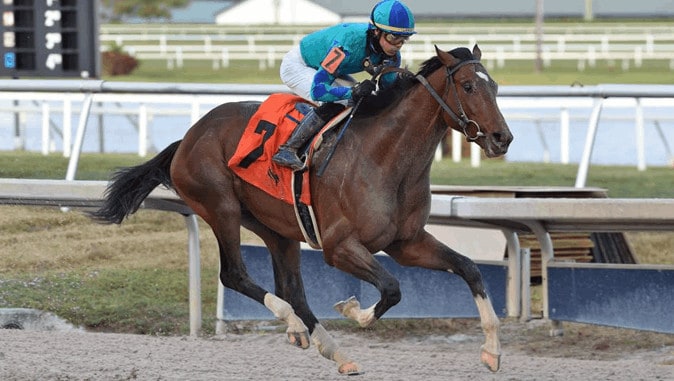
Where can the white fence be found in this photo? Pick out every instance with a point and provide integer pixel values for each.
(56, 102)
(629, 46)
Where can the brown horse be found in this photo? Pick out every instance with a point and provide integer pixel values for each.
(374, 196)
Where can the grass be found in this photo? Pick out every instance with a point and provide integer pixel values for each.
(620, 182)
(513, 73)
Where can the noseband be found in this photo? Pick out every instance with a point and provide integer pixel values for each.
(461, 119)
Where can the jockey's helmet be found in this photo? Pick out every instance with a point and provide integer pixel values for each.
(392, 16)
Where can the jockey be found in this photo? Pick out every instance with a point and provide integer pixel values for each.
(320, 68)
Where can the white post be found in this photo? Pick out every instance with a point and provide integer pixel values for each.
(638, 57)
(79, 138)
(584, 164)
(513, 285)
(591, 56)
(45, 128)
(604, 44)
(225, 57)
(220, 326)
(639, 131)
(525, 286)
(270, 57)
(457, 138)
(500, 57)
(195, 274)
(142, 130)
(194, 111)
(67, 126)
(547, 256)
(475, 152)
(162, 44)
(179, 57)
(207, 44)
(561, 44)
(650, 46)
(564, 124)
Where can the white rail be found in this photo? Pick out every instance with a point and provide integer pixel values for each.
(58, 96)
(629, 44)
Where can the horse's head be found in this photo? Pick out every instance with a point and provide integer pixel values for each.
(469, 101)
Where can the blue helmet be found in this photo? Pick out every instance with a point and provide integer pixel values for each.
(392, 16)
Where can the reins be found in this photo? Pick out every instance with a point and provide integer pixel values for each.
(461, 119)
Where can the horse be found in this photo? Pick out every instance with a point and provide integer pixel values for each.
(373, 197)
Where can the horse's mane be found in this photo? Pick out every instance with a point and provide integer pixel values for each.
(391, 95)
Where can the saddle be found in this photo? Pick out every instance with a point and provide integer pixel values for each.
(270, 126)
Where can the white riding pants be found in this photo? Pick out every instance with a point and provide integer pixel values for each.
(299, 77)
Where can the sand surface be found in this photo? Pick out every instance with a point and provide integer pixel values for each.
(31, 355)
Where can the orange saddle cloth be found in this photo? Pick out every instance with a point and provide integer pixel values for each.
(267, 129)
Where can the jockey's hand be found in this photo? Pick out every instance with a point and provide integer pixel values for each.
(362, 89)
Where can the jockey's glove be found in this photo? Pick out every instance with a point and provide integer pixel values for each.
(362, 89)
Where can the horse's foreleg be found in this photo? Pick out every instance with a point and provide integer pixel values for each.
(491, 350)
(427, 252)
(297, 331)
(327, 347)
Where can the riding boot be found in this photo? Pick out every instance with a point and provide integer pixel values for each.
(287, 152)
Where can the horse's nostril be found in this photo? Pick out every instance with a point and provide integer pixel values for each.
(498, 137)
(503, 138)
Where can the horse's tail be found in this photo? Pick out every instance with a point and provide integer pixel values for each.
(128, 187)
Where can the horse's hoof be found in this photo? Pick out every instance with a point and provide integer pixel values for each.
(344, 306)
(350, 369)
(299, 339)
(490, 360)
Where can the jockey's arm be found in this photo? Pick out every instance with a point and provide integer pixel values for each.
(322, 89)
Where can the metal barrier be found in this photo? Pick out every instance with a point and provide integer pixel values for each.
(425, 293)
(628, 296)
(509, 215)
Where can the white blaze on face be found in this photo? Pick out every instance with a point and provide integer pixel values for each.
(484, 76)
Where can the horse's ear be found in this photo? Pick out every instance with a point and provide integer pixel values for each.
(477, 53)
(446, 58)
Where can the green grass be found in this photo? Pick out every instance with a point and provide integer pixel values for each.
(621, 182)
(23, 164)
(109, 300)
(513, 73)
(618, 180)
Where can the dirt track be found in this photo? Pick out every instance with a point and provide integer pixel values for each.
(26, 355)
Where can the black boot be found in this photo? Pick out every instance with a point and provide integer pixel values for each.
(287, 152)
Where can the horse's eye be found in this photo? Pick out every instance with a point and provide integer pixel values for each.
(468, 87)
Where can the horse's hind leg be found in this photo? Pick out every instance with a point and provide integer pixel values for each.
(285, 255)
(427, 252)
(221, 209)
(352, 257)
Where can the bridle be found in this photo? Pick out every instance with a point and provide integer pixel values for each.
(461, 119)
